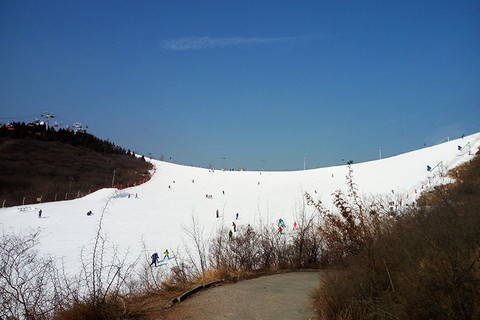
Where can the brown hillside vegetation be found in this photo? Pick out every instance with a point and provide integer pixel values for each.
(426, 265)
(57, 165)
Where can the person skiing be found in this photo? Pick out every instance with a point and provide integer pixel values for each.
(217, 213)
(165, 255)
(40, 213)
(295, 225)
(230, 235)
(154, 259)
(236, 216)
(234, 227)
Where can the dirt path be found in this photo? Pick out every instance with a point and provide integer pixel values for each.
(281, 296)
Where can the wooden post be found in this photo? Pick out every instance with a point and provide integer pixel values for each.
(3, 206)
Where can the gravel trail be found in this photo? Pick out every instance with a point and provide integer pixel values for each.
(276, 297)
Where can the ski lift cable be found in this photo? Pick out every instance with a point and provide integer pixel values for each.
(444, 140)
(13, 118)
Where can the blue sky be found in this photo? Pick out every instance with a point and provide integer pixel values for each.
(247, 81)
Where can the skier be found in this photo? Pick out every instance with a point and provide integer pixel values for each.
(89, 213)
(236, 216)
(154, 259)
(40, 213)
(217, 213)
(295, 225)
(165, 255)
(230, 235)
(234, 227)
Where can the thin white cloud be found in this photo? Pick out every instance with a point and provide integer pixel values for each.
(196, 43)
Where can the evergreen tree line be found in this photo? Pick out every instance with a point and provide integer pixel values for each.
(75, 138)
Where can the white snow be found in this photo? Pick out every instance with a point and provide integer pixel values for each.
(159, 213)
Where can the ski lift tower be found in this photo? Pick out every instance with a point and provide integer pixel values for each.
(47, 115)
(467, 147)
(440, 168)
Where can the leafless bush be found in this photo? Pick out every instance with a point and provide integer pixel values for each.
(265, 247)
(197, 256)
(354, 226)
(29, 284)
(425, 265)
(103, 280)
(306, 239)
(147, 279)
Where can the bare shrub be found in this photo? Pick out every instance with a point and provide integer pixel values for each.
(356, 224)
(197, 255)
(98, 291)
(426, 265)
(243, 252)
(306, 239)
(29, 284)
(147, 279)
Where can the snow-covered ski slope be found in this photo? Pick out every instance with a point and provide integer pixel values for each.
(156, 217)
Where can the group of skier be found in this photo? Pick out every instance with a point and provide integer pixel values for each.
(155, 257)
(282, 226)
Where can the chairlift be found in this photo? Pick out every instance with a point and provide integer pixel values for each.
(77, 127)
(47, 114)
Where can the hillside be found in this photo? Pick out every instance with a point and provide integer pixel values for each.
(36, 162)
(176, 210)
(176, 194)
